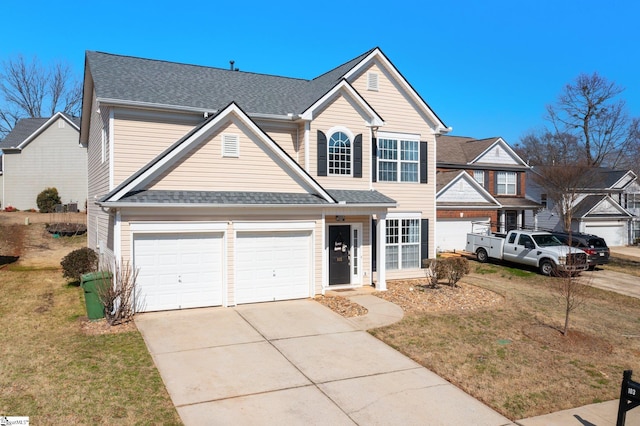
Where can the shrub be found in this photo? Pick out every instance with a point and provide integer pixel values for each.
(453, 268)
(10, 209)
(47, 200)
(79, 262)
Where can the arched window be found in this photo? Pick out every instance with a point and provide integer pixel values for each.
(339, 154)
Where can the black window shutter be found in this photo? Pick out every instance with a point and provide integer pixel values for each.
(423, 162)
(374, 246)
(374, 160)
(322, 154)
(486, 180)
(424, 241)
(357, 156)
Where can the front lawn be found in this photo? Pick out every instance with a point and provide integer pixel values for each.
(55, 373)
(512, 356)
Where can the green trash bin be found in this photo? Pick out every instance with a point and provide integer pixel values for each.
(90, 283)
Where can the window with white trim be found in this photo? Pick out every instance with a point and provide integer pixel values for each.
(398, 159)
(478, 175)
(339, 154)
(402, 244)
(506, 183)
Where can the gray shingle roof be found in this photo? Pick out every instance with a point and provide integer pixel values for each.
(22, 130)
(360, 197)
(25, 127)
(220, 197)
(127, 78)
(251, 198)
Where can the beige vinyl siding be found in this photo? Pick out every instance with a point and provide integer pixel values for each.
(345, 114)
(53, 159)
(98, 176)
(286, 135)
(403, 116)
(205, 169)
(301, 147)
(140, 137)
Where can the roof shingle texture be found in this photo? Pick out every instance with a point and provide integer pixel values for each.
(460, 149)
(24, 128)
(164, 83)
(251, 198)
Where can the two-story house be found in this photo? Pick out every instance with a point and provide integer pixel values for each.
(225, 187)
(606, 206)
(40, 153)
(480, 186)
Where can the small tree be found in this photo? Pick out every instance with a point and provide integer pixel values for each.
(118, 298)
(571, 292)
(79, 262)
(47, 200)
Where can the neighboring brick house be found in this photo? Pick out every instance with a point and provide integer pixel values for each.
(226, 187)
(40, 153)
(480, 186)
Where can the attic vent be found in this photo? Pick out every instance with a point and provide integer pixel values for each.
(372, 81)
(60, 124)
(230, 146)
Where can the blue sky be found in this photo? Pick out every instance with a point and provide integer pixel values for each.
(487, 68)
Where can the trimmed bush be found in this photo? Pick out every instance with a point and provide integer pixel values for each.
(47, 200)
(453, 269)
(79, 262)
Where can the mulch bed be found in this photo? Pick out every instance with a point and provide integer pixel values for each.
(101, 326)
(415, 296)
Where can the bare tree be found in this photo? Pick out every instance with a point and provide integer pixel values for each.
(546, 148)
(563, 184)
(31, 89)
(571, 293)
(589, 109)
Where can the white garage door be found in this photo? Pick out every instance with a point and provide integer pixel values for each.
(613, 234)
(178, 271)
(451, 234)
(272, 266)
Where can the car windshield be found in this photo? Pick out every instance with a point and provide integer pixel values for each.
(547, 240)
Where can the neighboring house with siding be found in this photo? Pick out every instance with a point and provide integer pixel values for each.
(607, 207)
(41, 153)
(480, 187)
(225, 187)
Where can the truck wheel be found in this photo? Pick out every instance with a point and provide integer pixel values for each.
(547, 267)
(482, 255)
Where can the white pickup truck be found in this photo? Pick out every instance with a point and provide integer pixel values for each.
(538, 249)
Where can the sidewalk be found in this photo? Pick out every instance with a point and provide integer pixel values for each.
(382, 313)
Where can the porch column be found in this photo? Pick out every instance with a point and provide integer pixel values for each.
(502, 221)
(535, 219)
(381, 240)
(520, 219)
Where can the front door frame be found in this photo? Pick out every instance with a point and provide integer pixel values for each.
(355, 254)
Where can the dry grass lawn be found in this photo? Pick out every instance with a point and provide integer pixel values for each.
(52, 370)
(512, 356)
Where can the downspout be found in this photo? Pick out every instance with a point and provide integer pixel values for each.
(307, 131)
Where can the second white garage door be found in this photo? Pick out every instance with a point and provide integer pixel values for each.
(614, 234)
(178, 270)
(272, 265)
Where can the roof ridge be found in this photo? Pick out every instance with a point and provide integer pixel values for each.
(344, 63)
(196, 65)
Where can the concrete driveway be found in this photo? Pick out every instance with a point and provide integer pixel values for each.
(295, 362)
(613, 281)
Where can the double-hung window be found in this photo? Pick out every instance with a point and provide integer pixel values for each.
(478, 175)
(402, 244)
(506, 183)
(398, 158)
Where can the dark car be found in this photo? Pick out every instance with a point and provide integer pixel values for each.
(595, 247)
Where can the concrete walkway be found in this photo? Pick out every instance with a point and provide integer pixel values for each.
(297, 362)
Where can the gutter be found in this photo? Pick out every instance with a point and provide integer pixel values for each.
(116, 204)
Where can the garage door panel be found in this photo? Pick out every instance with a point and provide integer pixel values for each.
(272, 266)
(179, 271)
(614, 234)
